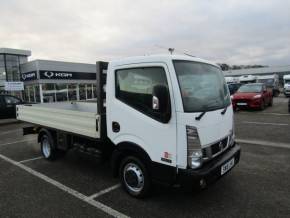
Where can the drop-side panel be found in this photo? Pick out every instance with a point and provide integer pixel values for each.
(78, 122)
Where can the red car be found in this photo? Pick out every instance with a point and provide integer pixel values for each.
(252, 95)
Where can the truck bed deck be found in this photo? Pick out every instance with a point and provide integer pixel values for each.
(76, 117)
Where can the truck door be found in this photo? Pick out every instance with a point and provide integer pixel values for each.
(132, 115)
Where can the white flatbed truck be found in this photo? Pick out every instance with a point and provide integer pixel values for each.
(163, 118)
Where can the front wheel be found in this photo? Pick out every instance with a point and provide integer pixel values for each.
(135, 177)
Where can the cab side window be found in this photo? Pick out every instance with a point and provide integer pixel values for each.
(11, 100)
(135, 88)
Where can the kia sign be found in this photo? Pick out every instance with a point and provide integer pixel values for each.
(14, 86)
(28, 76)
(60, 75)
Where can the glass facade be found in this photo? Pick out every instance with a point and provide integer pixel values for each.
(10, 70)
(61, 92)
(32, 93)
(2, 72)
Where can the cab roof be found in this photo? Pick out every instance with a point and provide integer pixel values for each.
(159, 58)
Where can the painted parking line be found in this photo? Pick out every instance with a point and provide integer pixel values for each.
(264, 143)
(15, 142)
(11, 131)
(66, 189)
(31, 159)
(266, 113)
(268, 124)
(105, 191)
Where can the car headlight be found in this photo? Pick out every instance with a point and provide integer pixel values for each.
(194, 152)
(257, 96)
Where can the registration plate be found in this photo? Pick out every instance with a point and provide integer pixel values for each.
(242, 103)
(227, 166)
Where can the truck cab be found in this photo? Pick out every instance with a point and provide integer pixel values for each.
(286, 79)
(271, 82)
(177, 110)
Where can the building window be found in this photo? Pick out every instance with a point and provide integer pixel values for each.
(61, 92)
(83, 93)
(89, 89)
(72, 92)
(48, 91)
(12, 67)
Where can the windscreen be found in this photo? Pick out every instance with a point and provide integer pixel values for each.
(203, 87)
(250, 88)
(287, 81)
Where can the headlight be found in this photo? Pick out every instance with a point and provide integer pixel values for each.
(257, 96)
(194, 153)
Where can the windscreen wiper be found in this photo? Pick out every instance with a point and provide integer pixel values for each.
(224, 110)
(200, 115)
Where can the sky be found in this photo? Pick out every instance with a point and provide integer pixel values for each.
(223, 31)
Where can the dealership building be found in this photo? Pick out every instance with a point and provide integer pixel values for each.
(46, 80)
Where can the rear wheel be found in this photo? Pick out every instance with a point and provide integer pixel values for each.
(47, 147)
(135, 177)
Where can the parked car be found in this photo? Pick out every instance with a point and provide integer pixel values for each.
(233, 87)
(8, 106)
(252, 95)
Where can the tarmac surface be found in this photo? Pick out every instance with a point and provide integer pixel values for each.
(81, 186)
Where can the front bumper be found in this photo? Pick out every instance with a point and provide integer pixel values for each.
(211, 171)
(250, 103)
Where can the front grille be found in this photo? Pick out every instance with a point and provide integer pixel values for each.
(215, 149)
(242, 101)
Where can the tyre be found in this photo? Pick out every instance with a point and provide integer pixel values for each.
(271, 103)
(47, 147)
(262, 107)
(135, 177)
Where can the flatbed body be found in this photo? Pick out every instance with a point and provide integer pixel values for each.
(79, 118)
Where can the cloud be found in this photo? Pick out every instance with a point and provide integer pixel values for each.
(231, 31)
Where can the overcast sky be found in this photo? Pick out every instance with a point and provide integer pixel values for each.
(233, 32)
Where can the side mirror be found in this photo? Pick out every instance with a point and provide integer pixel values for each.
(161, 102)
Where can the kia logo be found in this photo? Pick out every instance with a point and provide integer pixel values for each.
(49, 74)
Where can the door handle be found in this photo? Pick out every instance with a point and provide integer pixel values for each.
(115, 126)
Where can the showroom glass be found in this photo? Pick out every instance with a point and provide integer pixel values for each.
(89, 91)
(72, 92)
(134, 87)
(48, 91)
(31, 93)
(2, 70)
(203, 87)
(61, 92)
(250, 88)
(12, 68)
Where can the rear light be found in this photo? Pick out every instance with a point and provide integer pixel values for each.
(194, 152)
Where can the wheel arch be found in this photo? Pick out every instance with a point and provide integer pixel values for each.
(124, 149)
(43, 131)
